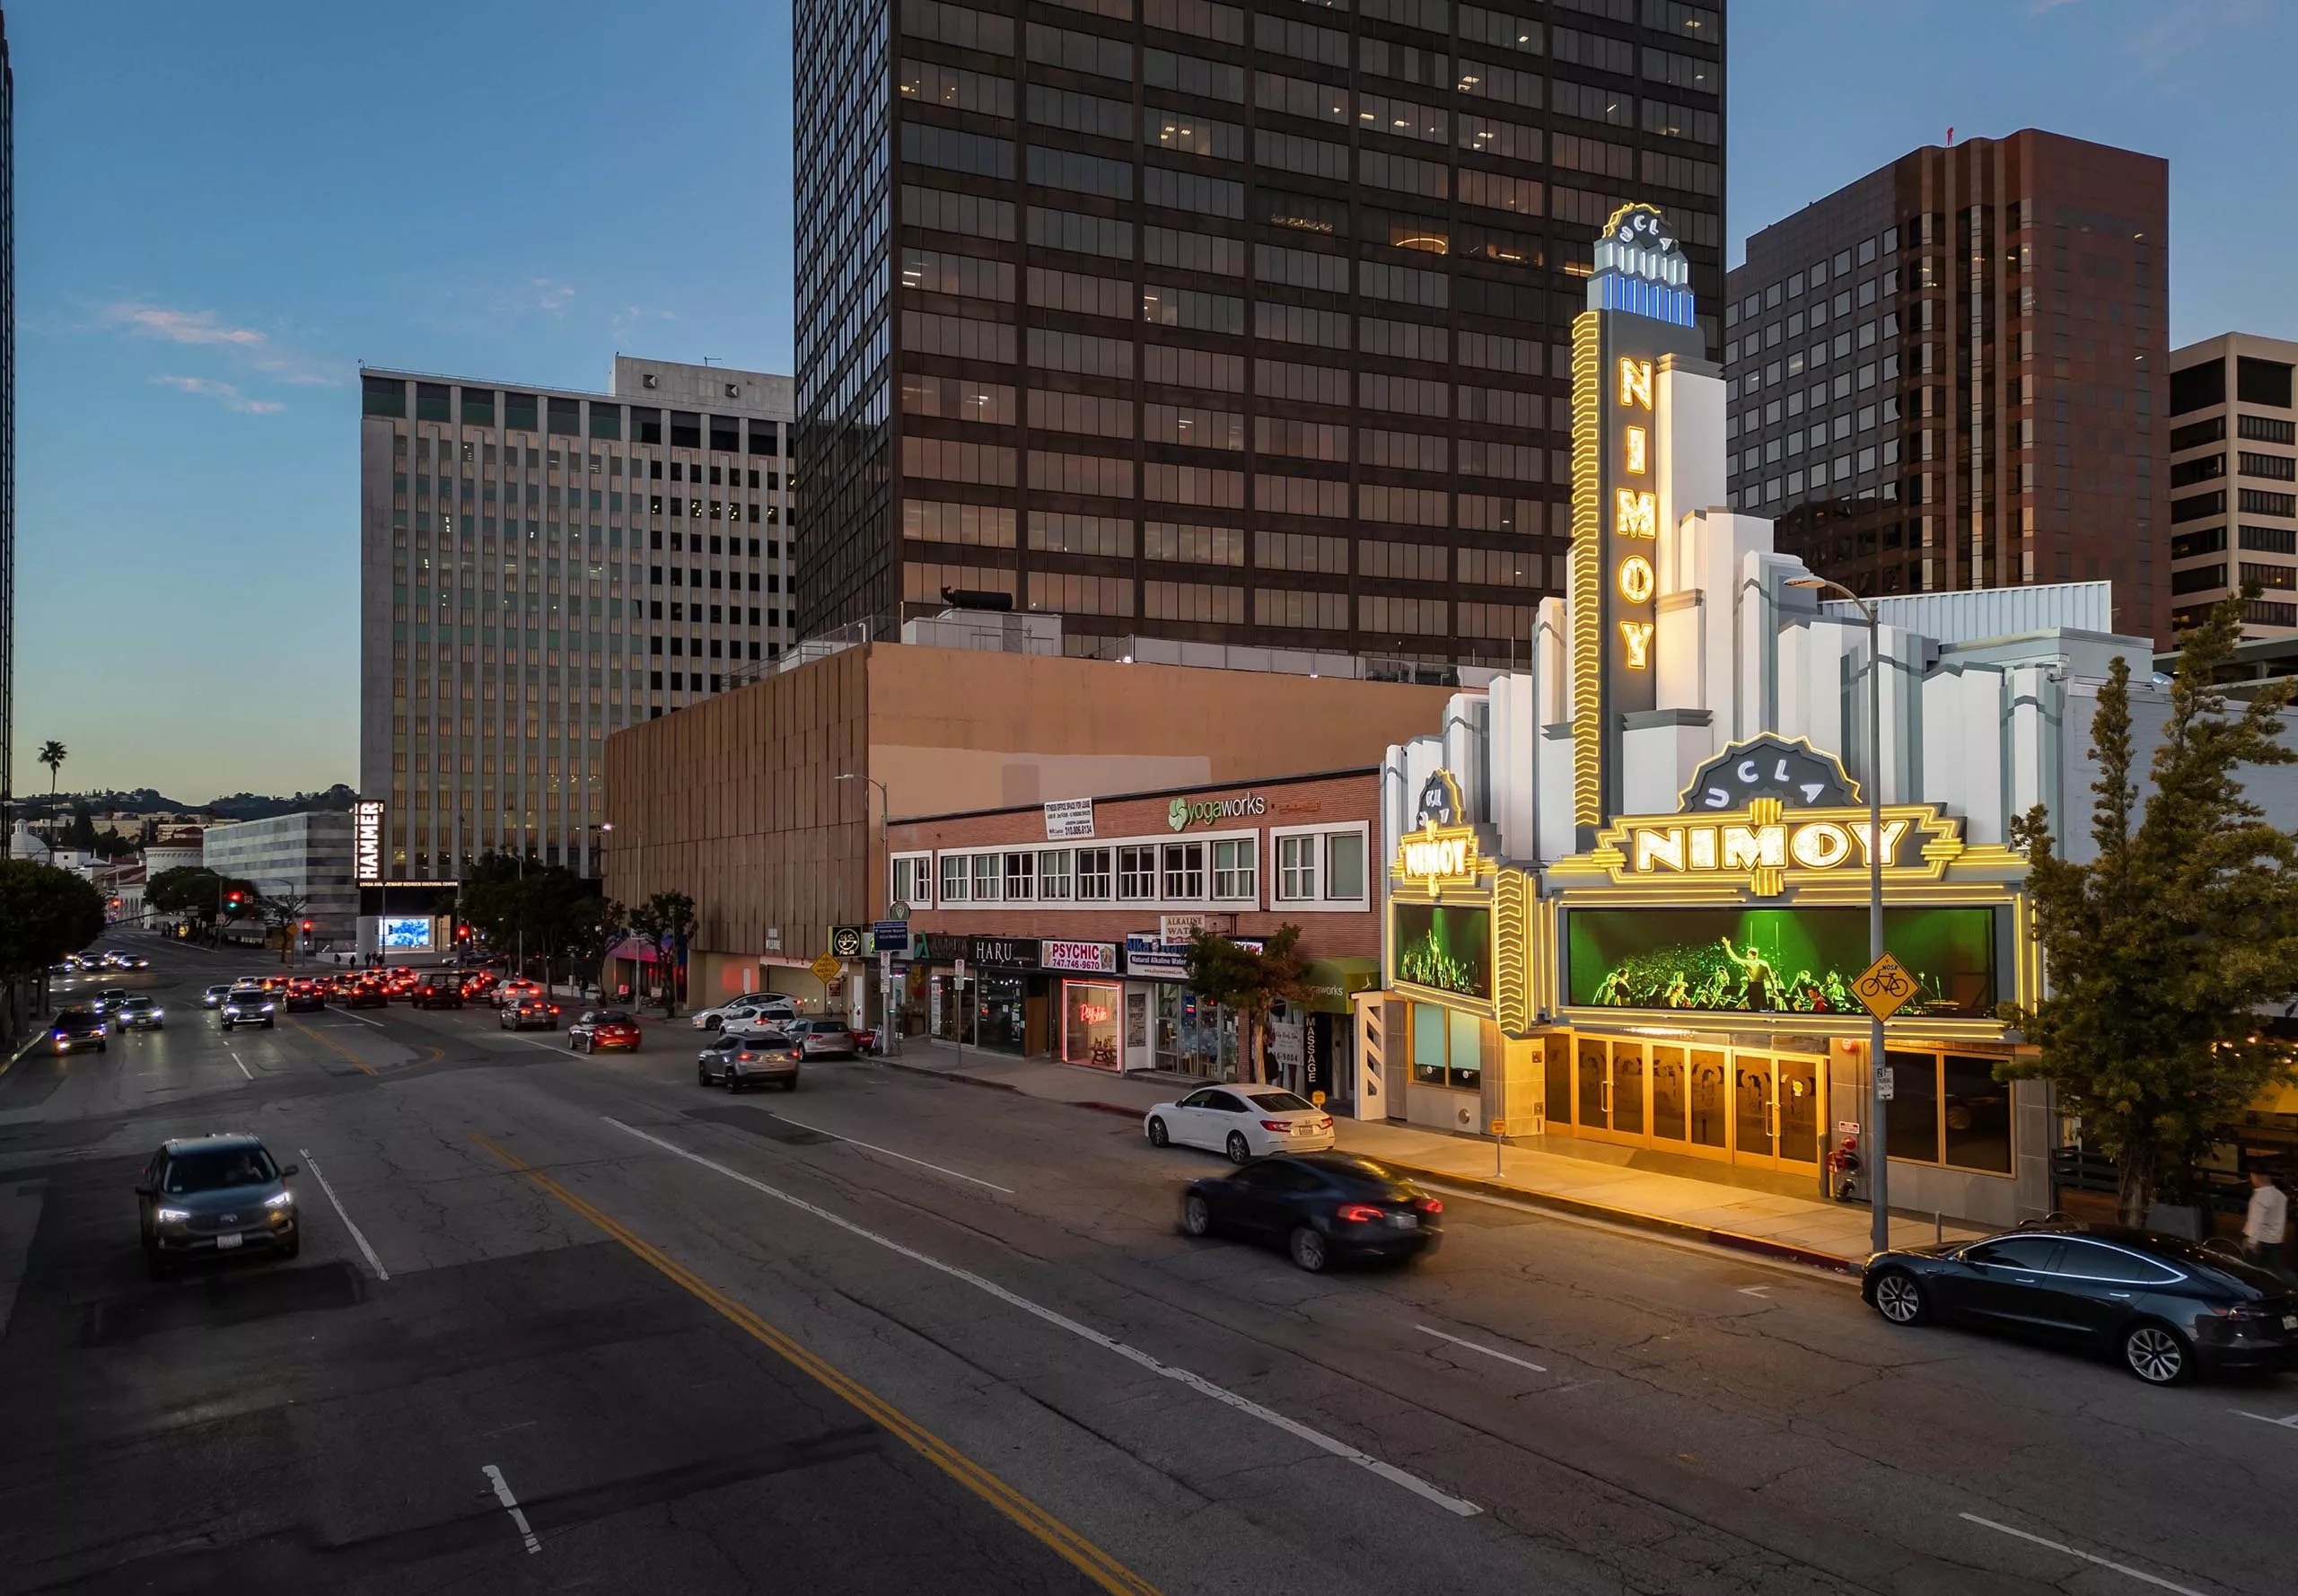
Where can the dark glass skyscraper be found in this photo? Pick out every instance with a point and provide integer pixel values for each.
(1234, 323)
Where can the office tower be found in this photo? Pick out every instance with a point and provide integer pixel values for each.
(1234, 323)
(2233, 447)
(7, 432)
(540, 567)
(1952, 373)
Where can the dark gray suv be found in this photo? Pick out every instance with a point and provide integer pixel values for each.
(206, 1196)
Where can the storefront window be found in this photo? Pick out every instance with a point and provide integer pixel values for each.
(1447, 1048)
(1912, 1115)
(1088, 1023)
(1977, 1115)
(999, 1012)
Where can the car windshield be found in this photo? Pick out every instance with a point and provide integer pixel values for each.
(71, 1017)
(218, 1169)
(136, 1003)
(611, 1017)
(1280, 1102)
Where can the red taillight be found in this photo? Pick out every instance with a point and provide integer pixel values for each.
(554, 1008)
(1431, 1205)
(1325, 1124)
(1280, 1126)
(745, 1057)
(1358, 1213)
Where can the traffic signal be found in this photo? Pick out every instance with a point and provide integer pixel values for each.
(233, 898)
(307, 928)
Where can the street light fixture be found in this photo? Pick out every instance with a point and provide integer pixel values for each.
(887, 1036)
(1879, 1227)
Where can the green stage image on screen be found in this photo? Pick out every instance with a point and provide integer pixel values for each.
(1444, 947)
(1777, 961)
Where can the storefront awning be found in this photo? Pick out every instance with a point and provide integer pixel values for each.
(1329, 981)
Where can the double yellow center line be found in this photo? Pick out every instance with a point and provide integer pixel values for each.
(1073, 1548)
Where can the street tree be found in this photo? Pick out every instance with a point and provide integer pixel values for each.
(195, 894)
(2160, 953)
(45, 913)
(52, 754)
(1248, 984)
(666, 920)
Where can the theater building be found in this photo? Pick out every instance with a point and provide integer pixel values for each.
(1061, 929)
(1627, 894)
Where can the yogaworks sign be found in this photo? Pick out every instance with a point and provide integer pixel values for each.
(1185, 812)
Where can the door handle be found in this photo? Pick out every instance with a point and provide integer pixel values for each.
(2120, 1296)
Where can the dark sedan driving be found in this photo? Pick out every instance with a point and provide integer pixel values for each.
(2161, 1305)
(1321, 1207)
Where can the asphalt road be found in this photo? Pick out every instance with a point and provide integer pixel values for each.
(889, 1333)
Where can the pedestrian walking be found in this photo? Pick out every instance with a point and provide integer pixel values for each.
(2266, 1222)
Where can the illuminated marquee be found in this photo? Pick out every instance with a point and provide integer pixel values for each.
(1638, 321)
(1769, 848)
(1436, 857)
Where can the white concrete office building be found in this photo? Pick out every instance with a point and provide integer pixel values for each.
(306, 857)
(539, 568)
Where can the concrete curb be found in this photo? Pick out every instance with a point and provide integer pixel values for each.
(1580, 1207)
(1658, 1224)
(38, 1035)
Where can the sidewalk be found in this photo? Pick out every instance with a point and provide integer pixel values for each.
(1749, 1214)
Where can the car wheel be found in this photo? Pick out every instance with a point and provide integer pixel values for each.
(1308, 1250)
(714, 1023)
(294, 1246)
(2157, 1353)
(733, 1081)
(1239, 1152)
(1900, 1299)
(1197, 1215)
(702, 1073)
(790, 1084)
(1158, 1136)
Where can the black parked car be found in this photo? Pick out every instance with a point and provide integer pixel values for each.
(2163, 1305)
(1319, 1207)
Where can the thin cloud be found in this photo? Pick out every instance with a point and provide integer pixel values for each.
(180, 327)
(2037, 7)
(542, 293)
(223, 393)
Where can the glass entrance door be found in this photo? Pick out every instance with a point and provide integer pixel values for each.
(1775, 1109)
(1759, 1109)
(1752, 1104)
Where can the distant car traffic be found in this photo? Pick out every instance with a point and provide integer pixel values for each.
(596, 1030)
(212, 998)
(1321, 1207)
(363, 994)
(212, 1195)
(302, 996)
(1242, 1121)
(510, 991)
(2161, 1306)
(249, 1006)
(72, 1030)
(735, 1062)
(141, 1013)
(530, 1012)
(109, 998)
(750, 1006)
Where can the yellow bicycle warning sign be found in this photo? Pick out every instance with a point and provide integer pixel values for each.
(1884, 987)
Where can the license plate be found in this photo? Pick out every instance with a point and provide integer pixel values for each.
(1405, 1221)
(1304, 1130)
(225, 1242)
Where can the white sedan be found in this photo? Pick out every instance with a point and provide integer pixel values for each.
(1244, 1122)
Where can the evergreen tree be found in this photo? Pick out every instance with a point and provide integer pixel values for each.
(2158, 954)
(1248, 984)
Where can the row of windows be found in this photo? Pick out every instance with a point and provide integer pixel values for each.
(1815, 276)
(1324, 867)
(565, 418)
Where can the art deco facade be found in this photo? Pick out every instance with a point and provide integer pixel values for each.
(1955, 373)
(539, 568)
(2234, 445)
(1238, 323)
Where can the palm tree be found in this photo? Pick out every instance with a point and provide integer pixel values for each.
(52, 754)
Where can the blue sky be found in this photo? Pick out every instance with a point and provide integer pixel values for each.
(221, 209)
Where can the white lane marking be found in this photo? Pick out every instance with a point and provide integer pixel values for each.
(1753, 1291)
(237, 1059)
(511, 1506)
(1490, 1352)
(374, 1262)
(2289, 1422)
(889, 1152)
(2086, 1556)
(1196, 1382)
(363, 1019)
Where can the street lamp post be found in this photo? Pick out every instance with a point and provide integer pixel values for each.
(1879, 1163)
(888, 1036)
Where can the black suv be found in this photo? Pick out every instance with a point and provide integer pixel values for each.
(2161, 1305)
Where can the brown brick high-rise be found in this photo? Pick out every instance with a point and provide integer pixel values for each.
(1953, 373)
